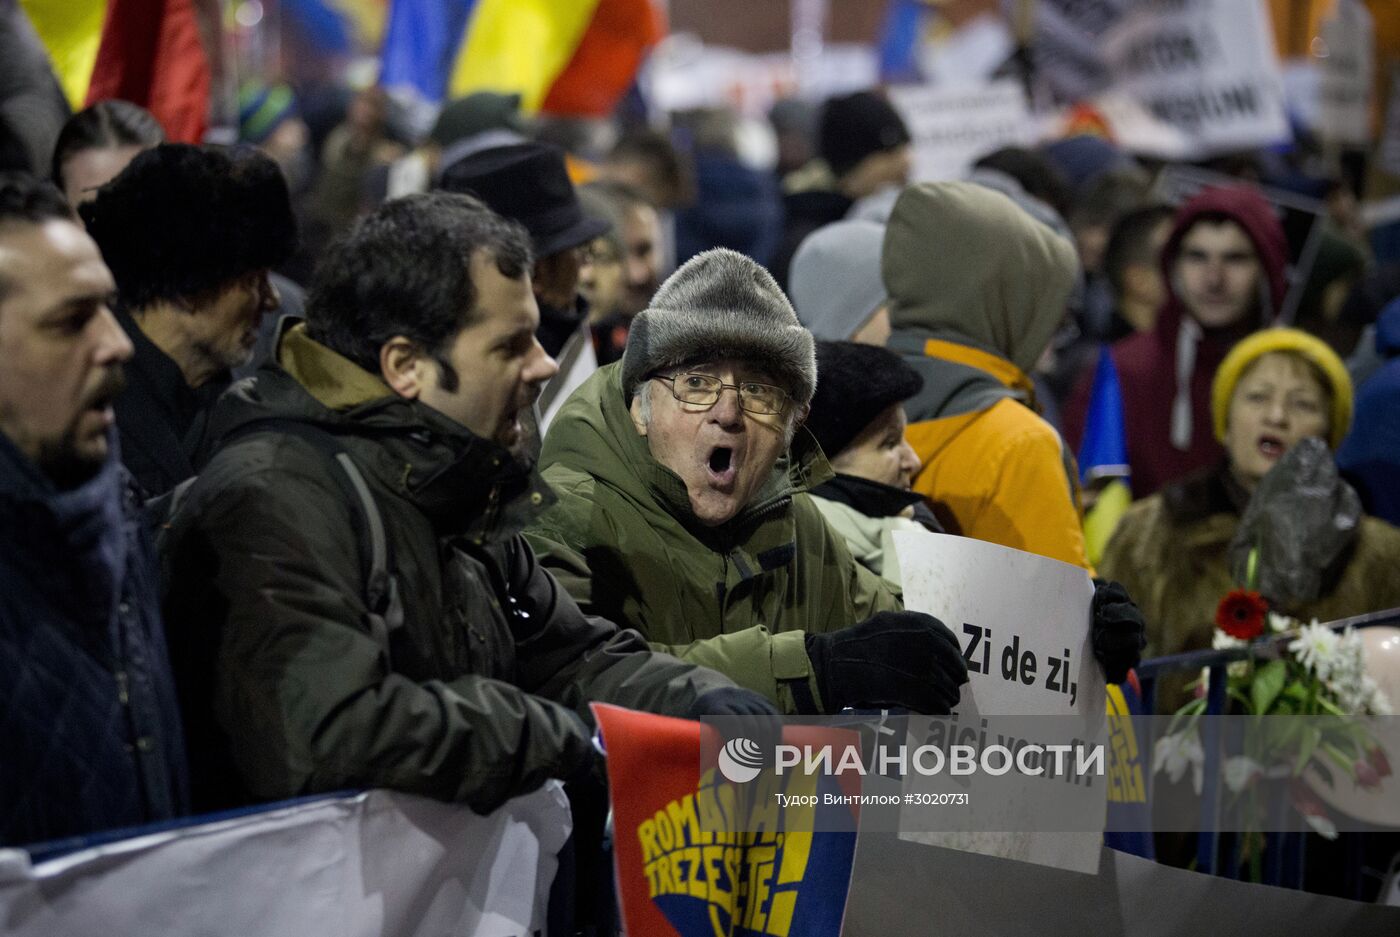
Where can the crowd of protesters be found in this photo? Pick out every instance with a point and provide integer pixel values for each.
(367, 461)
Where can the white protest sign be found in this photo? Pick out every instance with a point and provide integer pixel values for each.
(682, 73)
(1348, 41)
(952, 127)
(1202, 75)
(1022, 620)
(1023, 623)
(369, 865)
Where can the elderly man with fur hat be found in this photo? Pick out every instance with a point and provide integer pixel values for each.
(683, 474)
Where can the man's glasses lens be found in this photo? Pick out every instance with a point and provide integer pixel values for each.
(702, 390)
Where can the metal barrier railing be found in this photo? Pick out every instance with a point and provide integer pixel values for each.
(1285, 852)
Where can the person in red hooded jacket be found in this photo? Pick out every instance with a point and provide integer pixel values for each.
(1224, 267)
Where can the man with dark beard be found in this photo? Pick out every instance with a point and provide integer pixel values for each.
(529, 184)
(405, 397)
(88, 722)
(190, 234)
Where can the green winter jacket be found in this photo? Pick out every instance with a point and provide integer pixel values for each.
(483, 694)
(737, 598)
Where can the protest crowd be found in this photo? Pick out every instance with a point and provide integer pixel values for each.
(352, 443)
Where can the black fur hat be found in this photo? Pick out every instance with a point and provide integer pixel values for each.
(181, 221)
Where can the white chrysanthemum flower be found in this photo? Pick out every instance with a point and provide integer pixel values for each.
(1240, 772)
(1316, 648)
(1177, 752)
(1377, 703)
(1346, 680)
(1351, 656)
(1280, 623)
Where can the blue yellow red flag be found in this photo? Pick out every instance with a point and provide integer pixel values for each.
(561, 56)
(148, 52)
(1103, 458)
(698, 855)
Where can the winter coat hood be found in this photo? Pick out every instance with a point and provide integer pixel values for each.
(1388, 330)
(965, 264)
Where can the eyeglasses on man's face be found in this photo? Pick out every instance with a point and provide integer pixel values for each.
(703, 390)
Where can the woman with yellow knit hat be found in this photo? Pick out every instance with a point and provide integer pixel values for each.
(1275, 517)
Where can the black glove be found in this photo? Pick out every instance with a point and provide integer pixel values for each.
(893, 660)
(742, 714)
(731, 701)
(1118, 630)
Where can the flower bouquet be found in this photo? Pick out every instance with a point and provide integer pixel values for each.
(1291, 669)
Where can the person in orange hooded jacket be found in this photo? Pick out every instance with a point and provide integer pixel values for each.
(977, 289)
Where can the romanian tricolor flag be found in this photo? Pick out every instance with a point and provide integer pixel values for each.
(337, 27)
(1103, 458)
(700, 855)
(562, 56)
(1129, 817)
(148, 52)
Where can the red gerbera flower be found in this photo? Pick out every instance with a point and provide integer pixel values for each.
(1241, 614)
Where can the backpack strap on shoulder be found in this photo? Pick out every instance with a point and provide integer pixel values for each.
(381, 593)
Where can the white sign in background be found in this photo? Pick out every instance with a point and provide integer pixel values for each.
(376, 864)
(1349, 42)
(1194, 78)
(953, 126)
(1023, 623)
(1066, 49)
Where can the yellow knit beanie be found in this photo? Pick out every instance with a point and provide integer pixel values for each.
(1293, 341)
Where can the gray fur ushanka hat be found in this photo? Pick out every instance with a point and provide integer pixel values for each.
(721, 304)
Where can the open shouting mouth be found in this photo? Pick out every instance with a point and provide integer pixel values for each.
(720, 468)
(1272, 448)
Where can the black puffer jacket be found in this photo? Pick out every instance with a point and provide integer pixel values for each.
(89, 728)
(286, 690)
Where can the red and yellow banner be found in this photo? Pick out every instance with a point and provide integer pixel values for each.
(699, 856)
(148, 52)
